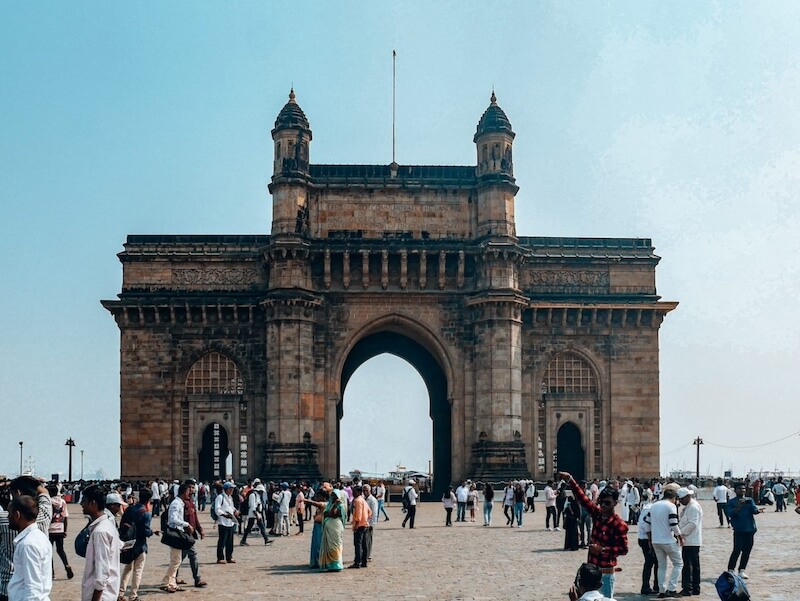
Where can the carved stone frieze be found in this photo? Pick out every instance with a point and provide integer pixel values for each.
(560, 280)
(224, 276)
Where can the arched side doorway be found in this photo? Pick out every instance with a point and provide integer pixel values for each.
(435, 381)
(213, 455)
(571, 456)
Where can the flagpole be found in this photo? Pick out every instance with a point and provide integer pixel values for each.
(394, 100)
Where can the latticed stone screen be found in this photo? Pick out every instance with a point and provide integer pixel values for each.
(569, 373)
(214, 373)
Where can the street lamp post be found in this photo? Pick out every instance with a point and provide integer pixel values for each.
(81, 464)
(20, 457)
(70, 443)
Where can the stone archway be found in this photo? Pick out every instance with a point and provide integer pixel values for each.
(435, 381)
(213, 455)
(571, 454)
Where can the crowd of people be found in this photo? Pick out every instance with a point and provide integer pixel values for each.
(595, 515)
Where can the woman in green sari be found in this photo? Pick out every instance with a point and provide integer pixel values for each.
(330, 556)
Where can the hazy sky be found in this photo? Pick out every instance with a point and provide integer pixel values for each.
(675, 121)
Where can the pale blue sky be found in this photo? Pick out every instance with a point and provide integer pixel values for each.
(675, 121)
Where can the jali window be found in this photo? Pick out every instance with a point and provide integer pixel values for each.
(214, 373)
(569, 373)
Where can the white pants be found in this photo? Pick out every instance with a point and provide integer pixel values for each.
(170, 577)
(673, 551)
(283, 523)
(136, 567)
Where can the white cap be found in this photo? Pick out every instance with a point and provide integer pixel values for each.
(684, 492)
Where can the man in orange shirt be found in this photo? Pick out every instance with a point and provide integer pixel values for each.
(360, 521)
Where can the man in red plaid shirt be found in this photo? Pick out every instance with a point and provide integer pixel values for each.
(609, 535)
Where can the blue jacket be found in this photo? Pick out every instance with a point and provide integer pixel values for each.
(741, 512)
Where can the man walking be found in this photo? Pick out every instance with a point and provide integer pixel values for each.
(33, 554)
(666, 539)
(380, 496)
(650, 567)
(139, 515)
(779, 490)
(372, 503)
(690, 523)
(722, 495)
(226, 523)
(190, 515)
(550, 505)
(741, 511)
(410, 499)
(101, 571)
(255, 514)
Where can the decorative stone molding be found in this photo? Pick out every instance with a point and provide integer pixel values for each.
(226, 276)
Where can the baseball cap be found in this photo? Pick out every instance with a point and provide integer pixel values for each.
(684, 492)
(112, 498)
(227, 485)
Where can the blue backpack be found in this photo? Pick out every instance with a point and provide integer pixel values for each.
(731, 587)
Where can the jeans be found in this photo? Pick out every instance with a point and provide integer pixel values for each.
(225, 542)
(673, 552)
(360, 543)
(191, 552)
(780, 503)
(742, 543)
(381, 509)
(609, 580)
(252, 522)
(518, 507)
(487, 512)
(461, 508)
(721, 513)
(690, 577)
(448, 521)
(551, 512)
(650, 567)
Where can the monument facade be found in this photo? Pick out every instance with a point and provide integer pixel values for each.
(538, 353)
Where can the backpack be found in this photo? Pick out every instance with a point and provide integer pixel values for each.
(731, 587)
(127, 525)
(213, 509)
(406, 500)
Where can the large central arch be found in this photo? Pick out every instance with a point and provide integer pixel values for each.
(400, 345)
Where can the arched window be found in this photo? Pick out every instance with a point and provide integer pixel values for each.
(214, 373)
(569, 373)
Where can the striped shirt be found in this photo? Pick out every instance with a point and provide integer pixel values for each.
(7, 536)
(663, 522)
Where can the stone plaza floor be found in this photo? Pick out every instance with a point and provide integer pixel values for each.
(467, 561)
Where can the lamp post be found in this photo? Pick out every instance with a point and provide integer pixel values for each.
(20, 457)
(81, 464)
(697, 442)
(70, 443)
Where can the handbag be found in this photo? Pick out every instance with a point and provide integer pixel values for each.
(177, 539)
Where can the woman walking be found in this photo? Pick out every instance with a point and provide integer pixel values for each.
(488, 504)
(449, 501)
(519, 504)
(472, 501)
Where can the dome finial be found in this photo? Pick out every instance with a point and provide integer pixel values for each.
(291, 94)
(493, 98)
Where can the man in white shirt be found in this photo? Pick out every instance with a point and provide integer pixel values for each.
(666, 539)
(176, 519)
(721, 496)
(650, 567)
(101, 571)
(462, 493)
(226, 523)
(411, 508)
(779, 490)
(283, 498)
(380, 495)
(587, 585)
(691, 526)
(33, 554)
(155, 500)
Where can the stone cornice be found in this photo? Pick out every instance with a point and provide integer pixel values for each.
(604, 315)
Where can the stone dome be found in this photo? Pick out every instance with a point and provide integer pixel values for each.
(291, 116)
(493, 120)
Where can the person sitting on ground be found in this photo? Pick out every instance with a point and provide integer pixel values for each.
(587, 584)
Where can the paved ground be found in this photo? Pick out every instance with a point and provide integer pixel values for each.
(466, 561)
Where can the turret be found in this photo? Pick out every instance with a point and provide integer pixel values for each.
(292, 137)
(494, 139)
